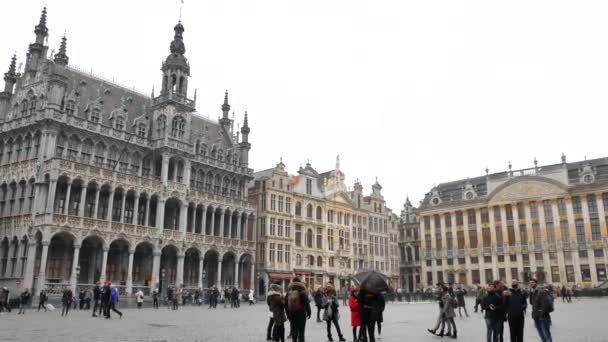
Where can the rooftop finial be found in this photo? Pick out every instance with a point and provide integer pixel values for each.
(563, 158)
(225, 107)
(12, 68)
(338, 162)
(510, 166)
(61, 57)
(535, 163)
(487, 170)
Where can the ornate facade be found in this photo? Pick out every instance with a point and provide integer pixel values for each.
(313, 226)
(409, 248)
(99, 182)
(547, 222)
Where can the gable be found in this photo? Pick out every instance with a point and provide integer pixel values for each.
(341, 197)
(527, 188)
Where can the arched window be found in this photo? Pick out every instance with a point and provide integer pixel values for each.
(319, 213)
(141, 130)
(298, 209)
(309, 210)
(69, 107)
(177, 127)
(298, 259)
(33, 106)
(161, 123)
(119, 123)
(309, 238)
(319, 261)
(311, 260)
(24, 107)
(94, 115)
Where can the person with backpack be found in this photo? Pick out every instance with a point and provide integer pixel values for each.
(515, 305)
(492, 304)
(298, 308)
(331, 313)
(541, 310)
(355, 315)
(276, 305)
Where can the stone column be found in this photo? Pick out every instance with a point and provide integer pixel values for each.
(66, 205)
(236, 274)
(130, 272)
(187, 173)
(42, 271)
(96, 204)
(28, 281)
(246, 229)
(164, 171)
(200, 271)
(155, 267)
(180, 270)
(183, 217)
(222, 215)
(219, 273)
(50, 201)
(240, 232)
(213, 221)
(121, 218)
(73, 275)
(83, 197)
(192, 219)
(110, 206)
(160, 214)
(229, 228)
(147, 215)
(104, 262)
(252, 282)
(204, 223)
(134, 219)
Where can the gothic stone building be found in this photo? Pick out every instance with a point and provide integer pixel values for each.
(547, 222)
(99, 182)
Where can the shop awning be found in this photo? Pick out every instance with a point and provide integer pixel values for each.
(280, 276)
(303, 272)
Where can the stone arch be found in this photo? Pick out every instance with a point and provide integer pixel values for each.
(143, 260)
(192, 260)
(90, 259)
(526, 187)
(60, 257)
(229, 264)
(246, 269)
(168, 265)
(210, 268)
(118, 261)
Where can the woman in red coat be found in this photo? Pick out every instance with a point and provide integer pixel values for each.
(355, 316)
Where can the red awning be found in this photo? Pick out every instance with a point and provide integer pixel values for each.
(280, 276)
(303, 272)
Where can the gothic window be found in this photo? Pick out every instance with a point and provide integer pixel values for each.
(61, 142)
(69, 107)
(141, 130)
(24, 107)
(161, 124)
(33, 106)
(177, 127)
(94, 115)
(120, 123)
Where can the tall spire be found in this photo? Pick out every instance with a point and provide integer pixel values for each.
(225, 106)
(61, 57)
(177, 46)
(338, 162)
(41, 30)
(10, 77)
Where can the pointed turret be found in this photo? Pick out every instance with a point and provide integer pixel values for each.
(10, 77)
(245, 146)
(41, 30)
(61, 57)
(37, 50)
(176, 71)
(225, 120)
(337, 162)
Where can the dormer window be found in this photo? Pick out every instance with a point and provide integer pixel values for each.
(69, 107)
(141, 130)
(119, 124)
(94, 115)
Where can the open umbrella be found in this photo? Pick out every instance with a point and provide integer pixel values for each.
(372, 281)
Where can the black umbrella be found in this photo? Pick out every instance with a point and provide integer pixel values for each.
(372, 281)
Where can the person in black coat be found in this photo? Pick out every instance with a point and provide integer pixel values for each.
(24, 301)
(97, 291)
(492, 304)
(370, 307)
(42, 300)
(105, 298)
(515, 305)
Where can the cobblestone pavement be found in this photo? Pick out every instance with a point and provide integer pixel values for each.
(580, 321)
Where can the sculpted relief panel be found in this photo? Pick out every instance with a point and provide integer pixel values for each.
(524, 189)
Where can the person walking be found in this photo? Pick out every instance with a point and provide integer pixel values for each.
(331, 314)
(5, 303)
(541, 310)
(235, 297)
(369, 306)
(492, 304)
(139, 296)
(345, 295)
(177, 293)
(440, 323)
(81, 299)
(155, 298)
(318, 298)
(448, 313)
(481, 293)
(113, 301)
(516, 304)
(276, 305)
(298, 308)
(97, 292)
(105, 298)
(355, 314)
(42, 299)
(460, 293)
(380, 319)
(24, 301)
(66, 301)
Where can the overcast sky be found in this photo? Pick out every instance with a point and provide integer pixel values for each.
(413, 92)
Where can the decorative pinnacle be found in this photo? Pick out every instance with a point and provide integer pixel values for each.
(487, 170)
(61, 57)
(226, 106)
(510, 166)
(41, 27)
(563, 158)
(535, 162)
(12, 68)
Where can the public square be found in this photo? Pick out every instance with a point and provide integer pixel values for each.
(580, 321)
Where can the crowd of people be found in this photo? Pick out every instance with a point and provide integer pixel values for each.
(294, 307)
(499, 304)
